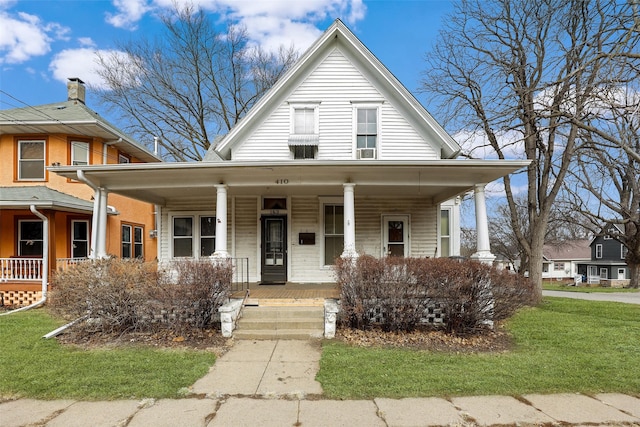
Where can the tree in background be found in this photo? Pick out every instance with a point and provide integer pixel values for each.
(191, 85)
(507, 70)
(605, 181)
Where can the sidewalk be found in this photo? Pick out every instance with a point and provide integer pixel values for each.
(272, 383)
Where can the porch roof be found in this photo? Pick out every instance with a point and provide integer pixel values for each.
(158, 183)
(42, 197)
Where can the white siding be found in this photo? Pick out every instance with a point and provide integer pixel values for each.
(245, 235)
(336, 83)
(305, 259)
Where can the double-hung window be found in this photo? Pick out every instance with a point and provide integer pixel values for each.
(193, 236)
(31, 160)
(132, 241)
(79, 153)
(366, 132)
(79, 238)
(30, 238)
(599, 250)
(333, 232)
(303, 138)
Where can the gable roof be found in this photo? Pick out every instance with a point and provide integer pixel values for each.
(570, 250)
(339, 34)
(43, 197)
(70, 117)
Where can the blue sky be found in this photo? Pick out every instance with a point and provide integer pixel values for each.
(42, 42)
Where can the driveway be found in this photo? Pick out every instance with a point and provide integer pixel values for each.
(626, 297)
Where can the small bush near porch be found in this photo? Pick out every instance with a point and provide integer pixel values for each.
(401, 294)
(121, 295)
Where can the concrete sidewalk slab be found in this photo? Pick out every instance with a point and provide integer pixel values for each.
(265, 368)
(175, 413)
(16, 413)
(336, 413)
(628, 404)
(96, 414)
(247, 412)
(578, 409)
(415, 412)
(290, 379)
(491, 410)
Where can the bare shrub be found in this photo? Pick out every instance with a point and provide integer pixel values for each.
(121, 295)
(112, 292)
(196, 292)
(397, 293)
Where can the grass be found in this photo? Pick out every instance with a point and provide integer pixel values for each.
(555, 286)
(31, 366)
(561, 346)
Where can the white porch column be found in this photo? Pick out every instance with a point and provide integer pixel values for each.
(483, 249)
(101, 237)
(349, 222)
(221, 222)
(93, 250)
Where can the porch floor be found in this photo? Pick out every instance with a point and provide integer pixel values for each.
(290, 291)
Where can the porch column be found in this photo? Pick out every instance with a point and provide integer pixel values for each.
(221, 222)
(349, 222)
(483, 249)
(101, 237)
(93, 250)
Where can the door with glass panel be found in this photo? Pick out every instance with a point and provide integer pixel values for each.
(395, 235)
(274, 249)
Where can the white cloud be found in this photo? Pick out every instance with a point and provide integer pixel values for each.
(86, 41)
(79, 63)
(270, 24)
(476, 144)
(129, 13)
(21, 38)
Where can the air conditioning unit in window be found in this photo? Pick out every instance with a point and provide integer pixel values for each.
(366, 153)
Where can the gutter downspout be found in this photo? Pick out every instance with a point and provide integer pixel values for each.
(45, 262)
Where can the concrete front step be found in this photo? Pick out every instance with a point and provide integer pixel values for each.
(290, 322)
(285, 302)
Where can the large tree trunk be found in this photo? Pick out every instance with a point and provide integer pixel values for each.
(634, 270)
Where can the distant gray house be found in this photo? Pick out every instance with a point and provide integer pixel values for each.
(607, 265)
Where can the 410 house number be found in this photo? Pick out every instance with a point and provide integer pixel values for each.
(282, 181)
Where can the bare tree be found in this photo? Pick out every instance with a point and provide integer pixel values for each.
(190, 85)
(516, 68)
(606, 178)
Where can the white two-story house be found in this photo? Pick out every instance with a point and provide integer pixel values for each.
(337, 159)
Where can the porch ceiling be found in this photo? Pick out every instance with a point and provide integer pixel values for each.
(158, 183)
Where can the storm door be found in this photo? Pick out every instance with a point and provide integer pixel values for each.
(274, 249)
(396, 235)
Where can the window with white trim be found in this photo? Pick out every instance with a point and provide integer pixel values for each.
(122, 158)
(558, 266)
(193, 235)
(31, 160)
(79, 238)
(30, 238)
(333, 232)
(366, 132)
(599, 250)
(445, 232)
(132, 241)
(79, 153)
(623, 251)
(303, 138)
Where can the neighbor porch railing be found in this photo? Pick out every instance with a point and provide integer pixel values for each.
(64, 263)
(20, 269)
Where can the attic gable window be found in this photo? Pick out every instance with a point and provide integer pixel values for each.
(79, 153)
(366, 127)
(303, 137)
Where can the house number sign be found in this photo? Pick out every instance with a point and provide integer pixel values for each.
(282, 181)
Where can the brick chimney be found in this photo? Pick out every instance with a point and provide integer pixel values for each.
(75, 90)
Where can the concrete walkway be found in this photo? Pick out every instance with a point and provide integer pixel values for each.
(272, 383)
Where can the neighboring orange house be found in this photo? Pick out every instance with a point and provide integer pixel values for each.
(47, 220)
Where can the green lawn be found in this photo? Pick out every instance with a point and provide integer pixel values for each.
(562, 346)
(555, 286)
(31, 366)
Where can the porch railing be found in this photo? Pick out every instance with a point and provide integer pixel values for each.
(20, 269)
(64, 263)
(240, 281)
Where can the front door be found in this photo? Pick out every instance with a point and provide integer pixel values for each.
(274, 249)
(395, 235)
